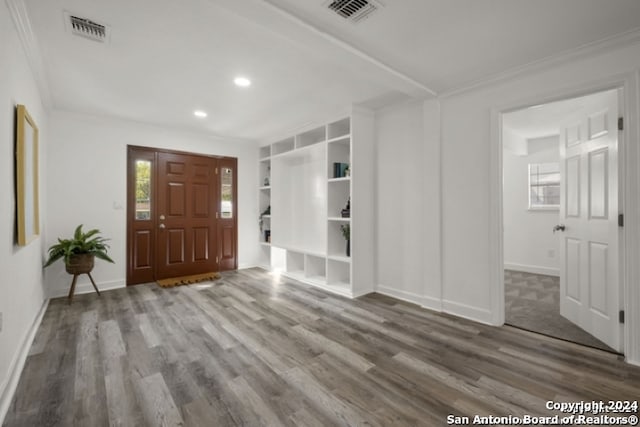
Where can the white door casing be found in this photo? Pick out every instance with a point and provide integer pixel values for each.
(589, 262)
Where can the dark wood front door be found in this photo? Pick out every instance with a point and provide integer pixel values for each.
(182, 214)
(186, 215)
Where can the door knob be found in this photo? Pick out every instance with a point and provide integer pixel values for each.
(161, 226)
(559, 227)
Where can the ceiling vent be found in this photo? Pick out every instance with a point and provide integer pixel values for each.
(354, 10)
(86, 28)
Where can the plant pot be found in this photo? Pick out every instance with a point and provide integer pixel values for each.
(80, 264)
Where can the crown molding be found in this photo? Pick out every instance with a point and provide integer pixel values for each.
(614, 42)
(20, 17)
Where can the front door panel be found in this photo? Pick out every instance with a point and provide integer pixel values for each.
(186, 220)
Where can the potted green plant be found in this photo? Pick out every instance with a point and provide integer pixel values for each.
(80, 251)
(346, 233)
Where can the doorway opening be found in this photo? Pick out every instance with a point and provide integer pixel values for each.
(182, 216)
(562, 252)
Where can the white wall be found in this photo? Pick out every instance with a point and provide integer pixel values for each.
(399, 135)
(529, 242)
(407, 202)
(88, 180)
(468, 234)
(21, 287)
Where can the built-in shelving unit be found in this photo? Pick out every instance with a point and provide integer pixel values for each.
(308, 180)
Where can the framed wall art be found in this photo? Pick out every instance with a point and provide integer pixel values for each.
(28, 216)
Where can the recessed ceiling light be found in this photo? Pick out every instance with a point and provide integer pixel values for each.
(242, 81)
(200, 113)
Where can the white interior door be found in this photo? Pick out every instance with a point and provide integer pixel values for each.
(589, 285)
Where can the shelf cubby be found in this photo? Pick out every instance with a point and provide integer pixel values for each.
(295, 264)
(265, 173)
(339, 128)
(338, 273)
(313, 136)
(338, 152)
(283, 146)
(315, 268)
(338, 195)
(336, 243)
(265, 152)
(265, 255)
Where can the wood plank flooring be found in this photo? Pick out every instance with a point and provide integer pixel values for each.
(253, 349)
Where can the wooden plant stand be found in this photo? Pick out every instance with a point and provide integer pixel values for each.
(77, 265)
(73, 286)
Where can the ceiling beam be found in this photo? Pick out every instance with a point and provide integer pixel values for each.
(302, 32)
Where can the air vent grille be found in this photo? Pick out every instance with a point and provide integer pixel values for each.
(89, 29)
(353, 10)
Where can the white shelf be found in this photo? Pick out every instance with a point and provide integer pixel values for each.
(266, 216)
(343, 179)
(265, 244)
(340, 285)
(302, 251)
(338, 219)
(344, 139)
(322, 280)
(297, 152)
(340, 258)
(265, 187)
(297, 275)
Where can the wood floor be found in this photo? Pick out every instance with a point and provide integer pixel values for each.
(252, 349)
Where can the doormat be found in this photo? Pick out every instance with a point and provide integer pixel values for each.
(186, 280)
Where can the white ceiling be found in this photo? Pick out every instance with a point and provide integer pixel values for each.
(446, 44)
(167, 58)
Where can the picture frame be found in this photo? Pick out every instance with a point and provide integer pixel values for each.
(27, 176)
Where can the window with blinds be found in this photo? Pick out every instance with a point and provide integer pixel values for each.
(544, 186)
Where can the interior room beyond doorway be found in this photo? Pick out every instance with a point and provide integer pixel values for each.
(538, 192)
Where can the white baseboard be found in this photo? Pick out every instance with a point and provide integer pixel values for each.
(476, 314)
(87, 288)
(534, 269)
(432, 303)
(8, 388)
(401, 295)
(245, 266)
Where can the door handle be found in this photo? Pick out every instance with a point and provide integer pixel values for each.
(161, 226)
(161, 217)
(559, 227)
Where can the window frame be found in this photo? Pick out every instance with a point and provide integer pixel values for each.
(542, 207)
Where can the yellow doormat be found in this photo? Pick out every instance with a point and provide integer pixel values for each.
(186, 280)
